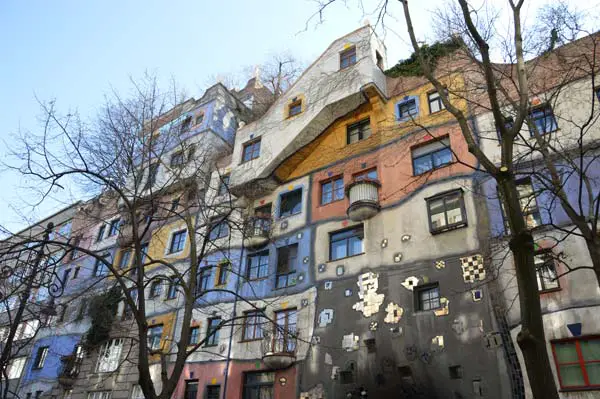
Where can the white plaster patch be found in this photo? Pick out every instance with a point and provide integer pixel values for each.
(445, 309)
(410, 282)
(370, 300)
(472, 268)
(373, 326)
(350, 342)
(325, 317)
(328, 285)
(335, 370)
(397, 257)
(328, 359)
(438, 342)
(394, 313)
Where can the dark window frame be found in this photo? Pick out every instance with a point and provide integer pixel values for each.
(194, 335)
(283, 197)
(214, 339)
(155, 288)
(438, 100)
(100, 234)
(444, 196)
(100, 266)
(223, 273)
(254, 320)
(177, 243)
(581, 362)
(547, 113)
(347, 239)
(40, 357)
(114, 227)
(348, 57)
(430, 154)
(548, 261)
(334, 191)
(220, 226)
(260, 266)
(212, 395)
(252, 148)
(191, 393)
(285, 272)
(177, 159)
(151, 335)
(204, 278)
(418, 301)
(361, 129)
(403, 109)
(223, 185)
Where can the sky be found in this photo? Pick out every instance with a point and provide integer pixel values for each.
(76, 52)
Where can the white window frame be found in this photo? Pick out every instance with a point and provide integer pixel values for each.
(15, 367)
(99, 395)
(109, 356)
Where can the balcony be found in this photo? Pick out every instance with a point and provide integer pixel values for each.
(69, 369)
(364, 199)
(257, 231)
(279, 348)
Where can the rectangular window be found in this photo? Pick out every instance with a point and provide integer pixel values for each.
(155, 288)
(144, 251)
(172, 289)
(212, 331)
(345, 243)
(578, 362)
(408, 109)
(177, 159)
(174, 204)
(348, 57)
(259, 385)
(76, 243)
(446, 211)
(76, 272)
(125, 257)
(178, 241)
(199, 119)
(213, 392)
(597, 93)
(290, 203)
(204, 278)
(185, 125)
(114, 227)
(358, 131)
(154, 336)
(223, 273)
(109, 356)
(194, 335)
(224, 185)
(285, 331)
(15, 367)
(427, 297)
(370, 174)
(332, 190)
(431, 156)
(100, 234)
(529, 207)
(152, 172)
(251, 150)
(294, 108)
(287, 258)
(435, 102)
(100, 267)
(258, 265)
(40, 357)
(543, 119)
(99, 395)
(219, 228)
(65, 276)
(545, 271)
(191, 389)
(253, 325)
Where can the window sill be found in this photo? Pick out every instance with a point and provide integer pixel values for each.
(407, 119)
(345, 257)
(211, 345)
(346, 67)
(437, 112)
(448, 228)
(332, 202)
(290, 117)
(288, 216)
(550, 290)
(576, 389)
(248, 161)
(283, 288)
(245, 341)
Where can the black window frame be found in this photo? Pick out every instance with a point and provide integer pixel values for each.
(151, 335)
(444, 196)
(295, 108)
(286, 268)
(155, 289)
(284, 199)
(194, 335)
(191, 393)
(348, 57)
(100, 234)
(334, 191)
(447, 148)
(177, 244)
(114, 227)
(418, 300)
(547, 262)
(361, 129)
(251, 147)
(99, 265)
(223, 185)
(403, 105)
(547, 112)
(204, 278)
(255, 321)
(223, 273)
(438, 100)
(259, 267)
(40, 357)
(360, 230)
(254, 389)
(214, 339)
(177, 159)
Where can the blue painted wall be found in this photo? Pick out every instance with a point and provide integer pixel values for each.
(58, 346)
(234, 256)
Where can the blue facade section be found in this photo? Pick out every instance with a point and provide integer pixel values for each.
(58, 346)
(210, 261)
(85, 275)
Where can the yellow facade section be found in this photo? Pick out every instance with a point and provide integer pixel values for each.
(161, 241)
(332, 146)
(167, 321)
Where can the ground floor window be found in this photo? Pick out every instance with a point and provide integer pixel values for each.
(258, 385)
(578, 362)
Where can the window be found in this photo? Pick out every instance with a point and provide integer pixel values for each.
(204, 278)
(125, 257)
(348, 57)
(258, 265)
(286, 266)
(219, 228)
(100, 267)
(346, 242)
(178, 241)
(15, 367)
(253, 325)
(223, 271)
(224, 185)
(578, 362)
(294, 108)
(114, 227)
(76, 243)
(332, 190)
(76, 273)
(152, 172)
(63, 312)
(38, 394)
(136, 392)
(155, 288)
(82, 309)
(144, 251)
(435, 102)
(127, 310)
(290, 203)
(543, 120)
(65, 276)
(191, 389)
(528, 202)
(100, 234)
(408, 109)
(598, 93)
(213, 391)
(177, 159)
(427, 297)
(285, 331)
(99, 395)
(109, 356)
(545, 271)
(446, 211)
(199, 119)
(370, 174)
(185, 125)
(251, 150)
(154, 336)
(258, 385)
(358, 131)
(172, 288)
(379, 60)
(431, 156)
(194, 335)
(212, 331)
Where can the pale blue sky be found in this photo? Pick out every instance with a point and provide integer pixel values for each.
(75, 51)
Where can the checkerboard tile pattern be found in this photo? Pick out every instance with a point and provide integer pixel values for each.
(472, 268)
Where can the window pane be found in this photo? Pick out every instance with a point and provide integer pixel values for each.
(356, 246)
(338, 249)
(566, 352)
(339, 189)
(442, 157)
(590, 349)
(593, 371)
(572, 375)
(422, 164)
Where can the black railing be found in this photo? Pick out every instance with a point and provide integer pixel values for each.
(280, 342)
(70, 366)
(258, 226)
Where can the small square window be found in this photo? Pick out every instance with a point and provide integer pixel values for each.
(177, 159)
(431, 156)
(178, 241)
(219, 228)
(199, 119)
(154, 336)
(155, 288)
(345, 243)
(290, 203)
(223, 185)
(435, 102)
(543, 119)
(370, 174)
(332, 190)
(408, 109)
(251, 150)
(427, 297)
(446, 212)
(114, 227)
(100, 234)
(348, 57)
(545, 270)
(358, 131)
(294, 108)
(213, 391)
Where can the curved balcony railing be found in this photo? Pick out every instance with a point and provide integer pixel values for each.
(364, 199)
(257, 231)
(279, 348)
(69, 369)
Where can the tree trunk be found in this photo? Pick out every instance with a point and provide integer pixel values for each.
(531, 339)
(593, 246)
